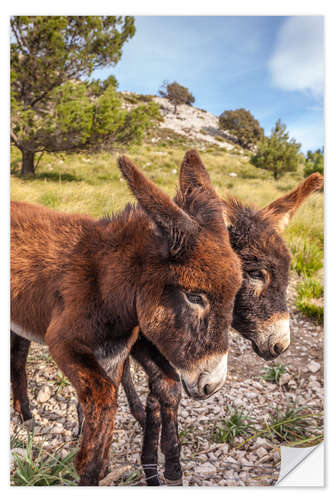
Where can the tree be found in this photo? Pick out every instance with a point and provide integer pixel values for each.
(314, 162)
(277, 153)
(176, 94)
(49, 55)
(242, 124)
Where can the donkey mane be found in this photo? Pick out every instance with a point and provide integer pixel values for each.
(122, 217)
(246, 223)
(206, 210)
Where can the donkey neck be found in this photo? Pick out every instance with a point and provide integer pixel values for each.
(128, 245)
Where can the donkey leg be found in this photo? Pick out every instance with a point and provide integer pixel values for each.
(170, 442)
(80, 418)
(165, 393)
(162, 408)
(97, 394)
(151, 440)
(136, 408)
(133, 399)
(98, 397)
(19, 348)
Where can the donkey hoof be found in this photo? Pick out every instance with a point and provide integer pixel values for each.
(173, 482)
(29, 424)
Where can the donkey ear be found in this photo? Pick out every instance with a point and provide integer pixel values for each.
(176, 227)
(282, 210)
(193, 174)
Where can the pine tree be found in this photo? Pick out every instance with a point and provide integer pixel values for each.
(277, 153)
(314, 162)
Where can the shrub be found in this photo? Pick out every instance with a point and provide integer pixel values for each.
(242, 124)
(277, 153)
(314, 162)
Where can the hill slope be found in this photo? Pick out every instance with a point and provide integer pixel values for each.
(193, 123)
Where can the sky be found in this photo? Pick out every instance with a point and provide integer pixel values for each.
(271, 65)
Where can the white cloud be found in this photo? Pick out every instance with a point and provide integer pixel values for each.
(298, 60)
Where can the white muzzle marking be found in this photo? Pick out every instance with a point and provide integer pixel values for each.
(279, 334)
(207, 378)
(273, 333)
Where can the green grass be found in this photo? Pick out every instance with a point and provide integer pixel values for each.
(234, 424)
(293, 423)
(274, 372)
(307, 257)
(61, 382)
(40, 468)
(310, 299)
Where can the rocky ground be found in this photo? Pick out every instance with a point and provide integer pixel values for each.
(205, 460)
(193, 123)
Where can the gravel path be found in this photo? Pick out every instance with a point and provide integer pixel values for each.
(205, 461)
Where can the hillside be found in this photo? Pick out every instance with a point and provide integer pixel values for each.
(190, 122)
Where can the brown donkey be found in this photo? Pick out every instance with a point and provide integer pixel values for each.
(82, 286)
(260, 315)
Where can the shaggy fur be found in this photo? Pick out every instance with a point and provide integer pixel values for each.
(85, 287)
(260, 309)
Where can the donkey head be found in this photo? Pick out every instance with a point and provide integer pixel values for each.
(260, 312)
(189, 276)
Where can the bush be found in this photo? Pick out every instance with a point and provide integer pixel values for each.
(314, 162)
(277, 153)
(242, 124)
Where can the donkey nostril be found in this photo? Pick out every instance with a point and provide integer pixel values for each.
(278, 349)
(206, 389)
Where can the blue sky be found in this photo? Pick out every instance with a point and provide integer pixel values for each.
(271, 65)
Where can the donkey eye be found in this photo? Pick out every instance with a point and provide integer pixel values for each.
(257, 275)
(195, 298)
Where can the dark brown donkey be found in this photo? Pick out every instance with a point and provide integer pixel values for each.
(82, 286)
(260, 315)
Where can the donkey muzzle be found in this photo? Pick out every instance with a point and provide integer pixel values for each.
(207, 378)
(273, 338)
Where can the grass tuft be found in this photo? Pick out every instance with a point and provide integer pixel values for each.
(274, 372)
(40, 468)
(234, 424)
(293, 423)
(61, 382)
